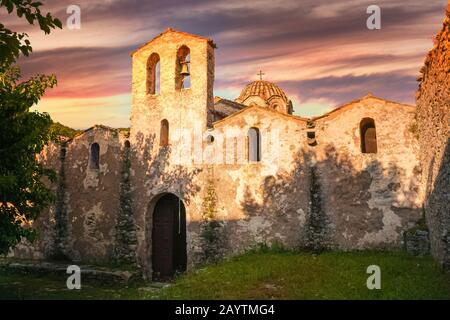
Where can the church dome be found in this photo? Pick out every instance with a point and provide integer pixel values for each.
(265, 94)
(263, 89)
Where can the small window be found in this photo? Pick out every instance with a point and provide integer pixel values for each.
(127, 144)
(254, 145)
(183, 69)
(368, 136)
(94, 159)
(209, 139)
(311, 138)
(164, 133)
(153, 74)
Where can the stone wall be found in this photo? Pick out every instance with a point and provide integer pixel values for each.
(309, 191)
(154, 169)
(325, 195)
(91, 198)
(371, 199)
(433, 118)
(81, 224)
(44, 246)
(263, 202)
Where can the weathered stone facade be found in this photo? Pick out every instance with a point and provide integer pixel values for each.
(312, 184)
(46, 242)
(433, 118)
(81, 223)
(371, 198)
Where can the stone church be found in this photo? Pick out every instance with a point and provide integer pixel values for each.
(199, 177)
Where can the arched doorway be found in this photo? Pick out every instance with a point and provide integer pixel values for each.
(168, 238)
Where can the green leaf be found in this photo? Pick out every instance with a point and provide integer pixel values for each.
(9, 6)
(23, 134)
(30, 18)
(58, 23)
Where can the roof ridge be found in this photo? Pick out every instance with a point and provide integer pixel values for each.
(218, 99)
(265, 109)
(170, 29)
(367, 96)
(95, 126)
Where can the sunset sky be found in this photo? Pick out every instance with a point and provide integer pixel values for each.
(319, 51)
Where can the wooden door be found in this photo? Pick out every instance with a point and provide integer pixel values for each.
(168, 238)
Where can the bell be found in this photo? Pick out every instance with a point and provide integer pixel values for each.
(184, 69)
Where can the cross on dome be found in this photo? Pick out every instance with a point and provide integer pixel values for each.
(260, 74)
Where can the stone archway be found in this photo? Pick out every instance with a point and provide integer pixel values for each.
(168, 238)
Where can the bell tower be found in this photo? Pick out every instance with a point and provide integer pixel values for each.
(172, 85)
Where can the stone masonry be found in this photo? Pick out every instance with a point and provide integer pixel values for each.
(433, 118)
(311, 186)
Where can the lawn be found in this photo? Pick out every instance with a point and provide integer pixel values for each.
(18, 286)
(265, 275)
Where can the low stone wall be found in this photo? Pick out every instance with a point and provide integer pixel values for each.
(92, 273)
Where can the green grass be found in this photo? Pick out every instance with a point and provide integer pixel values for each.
(19, 286)
(330, 275)
(264, 275)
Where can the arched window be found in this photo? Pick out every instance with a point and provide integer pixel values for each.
(127, 144)
(209, 139)
(254, 145)
(368, 136)
(153, 74)
(94, 157)
(164, 133)
(183, 69)
(311, 138)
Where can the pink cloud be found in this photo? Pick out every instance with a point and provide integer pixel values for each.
(310, 51)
